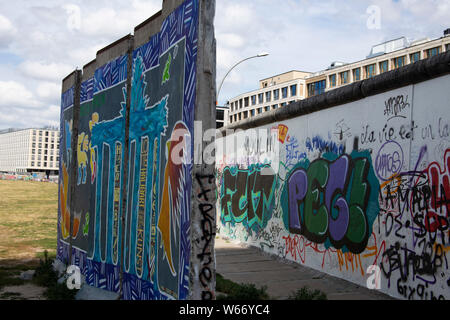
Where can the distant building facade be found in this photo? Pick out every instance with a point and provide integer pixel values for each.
(383, 57)
(29, 150)
(281, 90)
(273, 93)
(221, 116)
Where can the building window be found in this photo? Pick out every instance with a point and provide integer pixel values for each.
(252, 112)
(268, 96)
(284, 104)
(232, 106)
(275, 106)
(343, 77)
(447, 47)
(276, 94)
(220, 115)
(267, 108)
(293, 90)
(370, 71)
(383, 66)
(240, 116)
(253, 100)
(260, 110)
(414, 57)
(316, 88)
(32, 163)
(399, 62)
(245, 114)
(261, 98)
(40, 133)
(240, 104)
(235, 117)
(357, 74)
(332, 81)
(284, 92)
(433, 52)
(246, 102)
(38, 164)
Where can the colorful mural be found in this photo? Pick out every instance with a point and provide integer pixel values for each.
(154, 234)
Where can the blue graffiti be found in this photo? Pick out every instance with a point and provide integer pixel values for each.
(321, 145)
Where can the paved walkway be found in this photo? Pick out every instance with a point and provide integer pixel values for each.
(249, 265)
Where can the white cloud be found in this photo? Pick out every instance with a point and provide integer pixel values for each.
(7, 31)
(45, 71)
(49, 91)
(14, 94)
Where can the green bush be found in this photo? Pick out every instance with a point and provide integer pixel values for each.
(236, 291)
(307, 294)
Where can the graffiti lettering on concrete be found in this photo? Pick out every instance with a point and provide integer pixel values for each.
(206, 208)
(247, 196)
(329, 200)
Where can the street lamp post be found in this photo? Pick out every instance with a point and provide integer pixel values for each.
(262, 54)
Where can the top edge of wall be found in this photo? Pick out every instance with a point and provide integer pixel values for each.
(69, 81)
(114, 50)
(417, 72)
(142, 34)
(89, 70)
(144, 31)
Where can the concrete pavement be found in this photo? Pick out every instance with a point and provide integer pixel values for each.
(243, 264)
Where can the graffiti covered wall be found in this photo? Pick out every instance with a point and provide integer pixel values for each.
(131, 214)
(339, 190)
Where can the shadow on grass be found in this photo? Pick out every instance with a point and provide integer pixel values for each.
(44, 276)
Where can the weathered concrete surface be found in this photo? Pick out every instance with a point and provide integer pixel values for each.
(91, 293)
(249, 265)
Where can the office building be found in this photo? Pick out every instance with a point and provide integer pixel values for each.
(29, 150)
(383, 57)
(281, 90)
(221, 116)
(273, 93)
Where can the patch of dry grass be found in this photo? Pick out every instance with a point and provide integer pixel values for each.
(28, 219)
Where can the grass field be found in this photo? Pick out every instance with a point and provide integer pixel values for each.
(28, 219)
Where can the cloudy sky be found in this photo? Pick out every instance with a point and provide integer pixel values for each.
(43, 41)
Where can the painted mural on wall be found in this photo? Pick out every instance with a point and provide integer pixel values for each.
(353, 190)
(155, 232)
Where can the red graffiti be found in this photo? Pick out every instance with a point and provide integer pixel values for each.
(439, 200)
(296, 245)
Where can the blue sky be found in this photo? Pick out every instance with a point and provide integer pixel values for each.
(43, 41)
